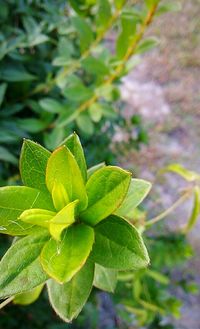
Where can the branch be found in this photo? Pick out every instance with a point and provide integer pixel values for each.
(129, 53)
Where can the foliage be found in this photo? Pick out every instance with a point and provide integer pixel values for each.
(67, 223)
(57, 74)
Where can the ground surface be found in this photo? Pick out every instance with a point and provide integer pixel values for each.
(165, 90)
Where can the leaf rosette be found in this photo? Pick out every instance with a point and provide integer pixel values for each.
(71, 226)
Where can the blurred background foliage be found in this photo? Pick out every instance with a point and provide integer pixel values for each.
(61, 64)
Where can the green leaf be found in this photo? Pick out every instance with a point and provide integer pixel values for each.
(7, 156)
(74, 145)
(105, 278)
(93, 169)
(94, 66)
(33, 163)
(169, 7)
(106, 189)
(62, 260)
(84, 31)
(63, 168)
(96, 112)
(32, 125)
(151, 3)
(16, 74)
(51, 105)
(137, 191)
(85, 123)
(128, 29)
(20, 269)
(60, 196)
(146, 45)
(103, 14)
(119, 3)
(118, 245)
(40, 217)
(68, 299)
(157, 276)
(62, 220)
(195, 211)
(29, 297)
(183, 172)
(78, 92)
(13, 201)
(3, 87)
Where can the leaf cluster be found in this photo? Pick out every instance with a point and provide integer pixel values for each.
(71, 227)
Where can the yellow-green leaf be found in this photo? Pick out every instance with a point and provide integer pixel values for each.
(63, 168)
(29, 297)
(69, 298)
(62, 220)
(13, 201)
(138, 190)
(40, 217)
(63, 259)
(106, 190)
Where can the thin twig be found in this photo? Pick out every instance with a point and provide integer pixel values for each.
(168, 211)
(6, 302)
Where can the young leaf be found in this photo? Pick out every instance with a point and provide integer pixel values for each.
(137, 191)
(29, 297)
(13, 201)
(62, 220)
(33, 162)
(63, 168)
(40, 217)
(105, 278)
(106, 190)
(60, 196)
(118, 245)
(20, 269)
(69, 298)
(74, 145)
(62, 260)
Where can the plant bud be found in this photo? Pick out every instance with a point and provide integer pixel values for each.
(40, 217)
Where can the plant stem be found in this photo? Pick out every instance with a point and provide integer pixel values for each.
(168, 211)
(6, 302)
(129, 53)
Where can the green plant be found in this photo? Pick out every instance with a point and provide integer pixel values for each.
(57, 74)
(67, 219)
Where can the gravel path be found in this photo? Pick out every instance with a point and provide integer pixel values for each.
(165, 90)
